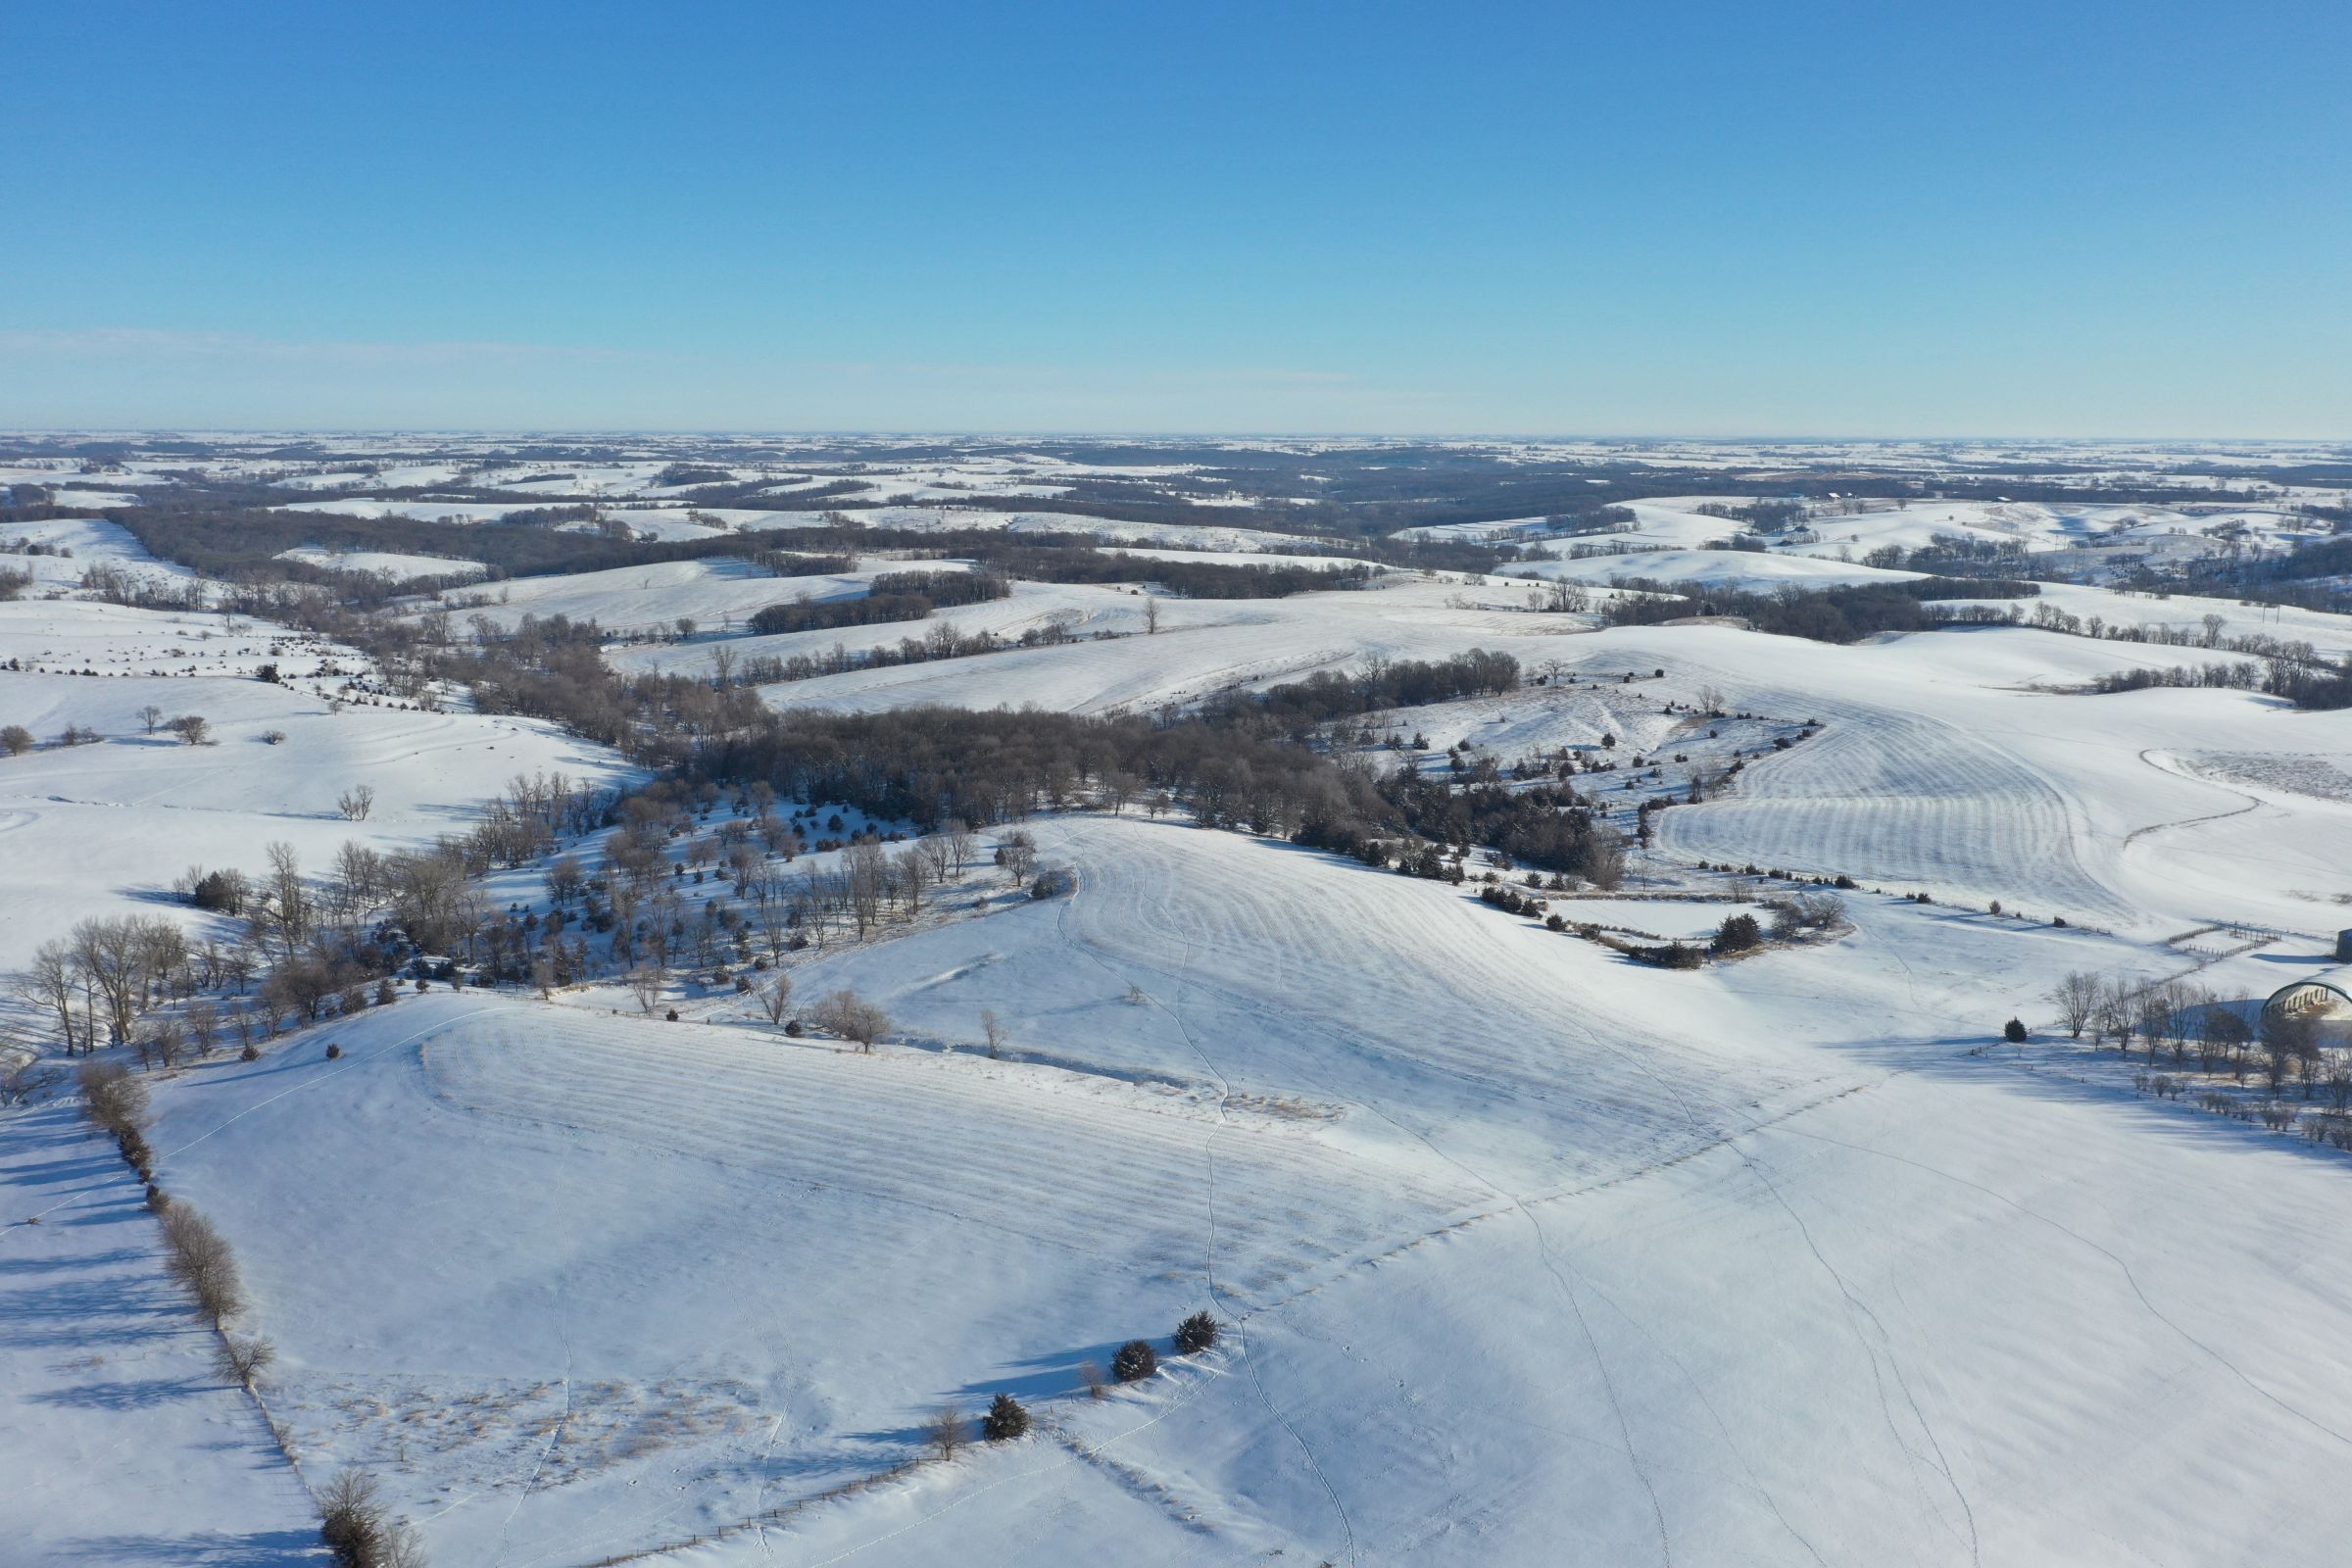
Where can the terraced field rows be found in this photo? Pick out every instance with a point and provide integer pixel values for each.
(1898, 799)
(1110, 1170)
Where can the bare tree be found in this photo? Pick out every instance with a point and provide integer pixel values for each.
(775, 996)
(1016, 852)
(948, 1429)
(644, 983)
(288, 899)
(1150, 615)
(193, 728)
(865, 874)
(722, 667)
(2077, 999)
(242, 1361)
(960, 843)
(914, 871)
(50, 983)
(151, 716)
(356, 803)
(938, 856)
(993, 1029)
(852, 1018)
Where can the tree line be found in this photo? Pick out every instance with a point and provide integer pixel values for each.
(891, 596)
(1842, 614)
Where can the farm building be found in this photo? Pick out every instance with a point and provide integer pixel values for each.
(2326, 998)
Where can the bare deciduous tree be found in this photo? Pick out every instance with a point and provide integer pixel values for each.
(2077, 999)
(644, 983)
(775, 996)
(852, 1018)
(242, 1361)
(1016, 852)
(948, 1429)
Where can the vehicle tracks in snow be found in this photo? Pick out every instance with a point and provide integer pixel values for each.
(2122, 1267)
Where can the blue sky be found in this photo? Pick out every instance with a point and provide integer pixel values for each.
(1699, 218)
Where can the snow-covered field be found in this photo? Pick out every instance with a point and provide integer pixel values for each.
(105, 828)
(1746, 569)
(1525, 1251)
(390, 563)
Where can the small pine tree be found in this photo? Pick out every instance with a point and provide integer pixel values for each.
(1135, 1362)
(1195, 1334)
(1007, 1418)
(2013, 1031)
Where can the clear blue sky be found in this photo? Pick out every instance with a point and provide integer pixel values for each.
(1695, 217)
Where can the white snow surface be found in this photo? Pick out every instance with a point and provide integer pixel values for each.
(1526, 1253)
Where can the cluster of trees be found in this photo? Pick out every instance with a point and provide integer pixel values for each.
(1191, 579)
(1953, 555)
(2308, 685)
(941, 640)
(1843, 614)
(304, 947)
(891, 596)
(2238, 675)
(1297, 707)
(2181, 1021)
(241, 541)
(116, 584)
(1548, 826)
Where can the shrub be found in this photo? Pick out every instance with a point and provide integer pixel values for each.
(1135, 1362)
(1007, 1418)
(1739, 933)
(251, 1053)
(671, 1016)
(351, 1521)
(156, 1198)
(2013, 1031)
(113, 1099)
(1195, 1334)
(333, 1052)
(16, 740)
(200, 1260)
(136, 1152)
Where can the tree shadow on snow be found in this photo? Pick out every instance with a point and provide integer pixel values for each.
(269, 1549)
